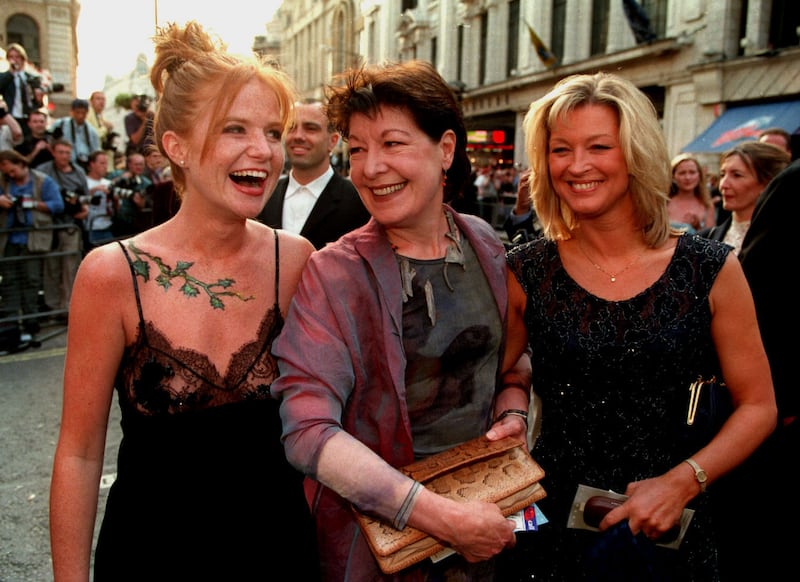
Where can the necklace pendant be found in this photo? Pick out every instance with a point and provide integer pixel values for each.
(613, 279)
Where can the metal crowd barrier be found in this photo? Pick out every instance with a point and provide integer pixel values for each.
(496, 210)
(10, 304)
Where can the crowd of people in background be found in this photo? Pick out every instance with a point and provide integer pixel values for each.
(590, 241)
(109, 188)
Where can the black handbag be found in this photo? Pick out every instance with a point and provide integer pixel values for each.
(708, 407)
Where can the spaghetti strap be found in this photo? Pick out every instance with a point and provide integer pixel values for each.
(135, 286)
(277, 306)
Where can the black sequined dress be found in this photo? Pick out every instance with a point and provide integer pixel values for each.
(614, 381)
(203, 489)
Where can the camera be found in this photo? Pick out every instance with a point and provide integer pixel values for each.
(55, 133)
(111, 141)
(144, 103)
(71, 197)
(125, 188)
(94, 199)
(25, 202)
(42, 85)
(122, 193)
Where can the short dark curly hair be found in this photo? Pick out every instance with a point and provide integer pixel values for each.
(415, 86)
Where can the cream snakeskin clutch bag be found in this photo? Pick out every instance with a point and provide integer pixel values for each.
(501, 472)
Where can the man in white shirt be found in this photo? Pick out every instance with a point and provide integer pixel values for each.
(313, 200)
(100, 213)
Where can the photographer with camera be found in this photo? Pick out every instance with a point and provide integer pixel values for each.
(28, 201)
(36, 144)
(132, 192)
(59, 272)
(22, 88)
(79, 132)
(100, 202)
(139, 124)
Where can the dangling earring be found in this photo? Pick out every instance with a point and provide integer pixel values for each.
(444, 177)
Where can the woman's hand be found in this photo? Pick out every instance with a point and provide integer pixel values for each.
(482, 532)
(523, 204)
(513, 425)
(654, 505)
(693, 219)
(476, 529)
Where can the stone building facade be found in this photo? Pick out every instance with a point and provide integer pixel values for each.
(704, 57)
(46, 28)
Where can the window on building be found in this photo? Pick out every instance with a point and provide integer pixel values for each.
(558, 28)
(460, 57)
(656, 11)
(784, 23)
(22, 29)
(340, 53)
(657, 96)
(407, 5)
(742, 25)
(372, 39)
(434, 50)
(600, 10)
(484, 47)
(513, 36)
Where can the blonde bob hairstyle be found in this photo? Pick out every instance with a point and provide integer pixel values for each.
(194, 75)
(641, 139)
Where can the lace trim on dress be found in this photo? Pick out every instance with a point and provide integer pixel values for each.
(156, 377)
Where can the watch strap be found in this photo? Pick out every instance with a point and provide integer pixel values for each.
(699, 474)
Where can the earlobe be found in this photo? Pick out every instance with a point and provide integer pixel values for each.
(333, 141)
(448, 144)
(173, 146)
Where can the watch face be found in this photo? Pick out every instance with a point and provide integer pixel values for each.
(701, 476)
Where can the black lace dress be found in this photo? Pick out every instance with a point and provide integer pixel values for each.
(613, 377)
(203, 489)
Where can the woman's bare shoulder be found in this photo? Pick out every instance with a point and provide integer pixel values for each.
(105, 262)
(294, 247)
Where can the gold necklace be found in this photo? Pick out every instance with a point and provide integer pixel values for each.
(612, 276)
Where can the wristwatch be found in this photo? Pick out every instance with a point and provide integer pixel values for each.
(699, 474)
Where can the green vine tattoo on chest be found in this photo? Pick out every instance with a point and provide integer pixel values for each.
(190, 286)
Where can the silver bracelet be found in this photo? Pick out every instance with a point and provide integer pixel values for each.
(404, 513)
(523, 414)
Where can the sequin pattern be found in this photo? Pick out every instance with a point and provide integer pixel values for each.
(613, 377)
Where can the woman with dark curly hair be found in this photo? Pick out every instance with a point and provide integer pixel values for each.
(393, 346)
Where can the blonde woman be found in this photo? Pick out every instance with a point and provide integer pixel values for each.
(690, 205)
(622, 314)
